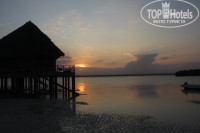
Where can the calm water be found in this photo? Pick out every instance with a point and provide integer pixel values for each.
(157, 96)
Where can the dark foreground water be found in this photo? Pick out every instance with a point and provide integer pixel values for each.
(129, 104)
(137, 101)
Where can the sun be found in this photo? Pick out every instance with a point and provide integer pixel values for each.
(80, 65)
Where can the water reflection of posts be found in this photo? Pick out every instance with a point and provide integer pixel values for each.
(74, 106)
(71, 106)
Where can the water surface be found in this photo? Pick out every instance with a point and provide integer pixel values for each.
(157, 96)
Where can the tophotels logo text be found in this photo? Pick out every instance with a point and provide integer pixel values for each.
(169, 13)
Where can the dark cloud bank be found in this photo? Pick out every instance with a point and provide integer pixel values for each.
(143, 65)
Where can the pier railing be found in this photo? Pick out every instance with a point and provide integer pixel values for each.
(65, 68)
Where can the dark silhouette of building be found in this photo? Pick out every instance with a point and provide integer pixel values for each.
(28, 50)
(28, 59)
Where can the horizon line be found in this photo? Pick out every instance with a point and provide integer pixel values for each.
(112, 75)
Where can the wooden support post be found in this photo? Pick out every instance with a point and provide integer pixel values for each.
(20, 85)
(25, 85)
(1, 87)
(39, 89)
(63, 84)
(13, 85)
(73, 85)
(45, 82)
(68, 82)
(43, 86)
(16, 85)
(66, 88)
(35, 86)
(53, 89)
(31, 85)
(68, 85)
(55, 78)
(5, 85)
(50, 86)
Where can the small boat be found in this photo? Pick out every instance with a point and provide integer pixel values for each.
(187, 86)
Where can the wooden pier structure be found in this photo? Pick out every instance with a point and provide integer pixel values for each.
(40, 84)
(28, 65)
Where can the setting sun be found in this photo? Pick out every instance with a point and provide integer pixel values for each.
(80, 65)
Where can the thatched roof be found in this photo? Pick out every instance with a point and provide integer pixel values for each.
(28, 41)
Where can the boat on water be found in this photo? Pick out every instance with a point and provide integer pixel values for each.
(187, 86)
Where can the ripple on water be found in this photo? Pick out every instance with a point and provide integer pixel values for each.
(89, 122)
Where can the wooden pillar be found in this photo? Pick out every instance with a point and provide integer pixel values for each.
(68, 85)
(73, 85)
(13, 85)
(55, 83)
(35, 85)
(17, 85)
(1, 87)
(66, 88)
(5, 85)
(43, 86)
(25, 85)
(38, 85)
(30, 85)
(50, 86)
(63, 84)
(20, 85)
(45, 81)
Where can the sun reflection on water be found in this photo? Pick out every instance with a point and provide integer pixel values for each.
(81, 87)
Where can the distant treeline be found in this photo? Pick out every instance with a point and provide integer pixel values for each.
(188, 73)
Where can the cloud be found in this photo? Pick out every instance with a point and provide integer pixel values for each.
(120, 31)
(90, 56)
(166, 57)
(129, 54)
(132, 21)
(64, 60)
(142, 60)
(98, 61)
(145, 64)
(97, 71)
(50, 32)
(73, 19)
(112, 63)
(83, 28)
(61, 19)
